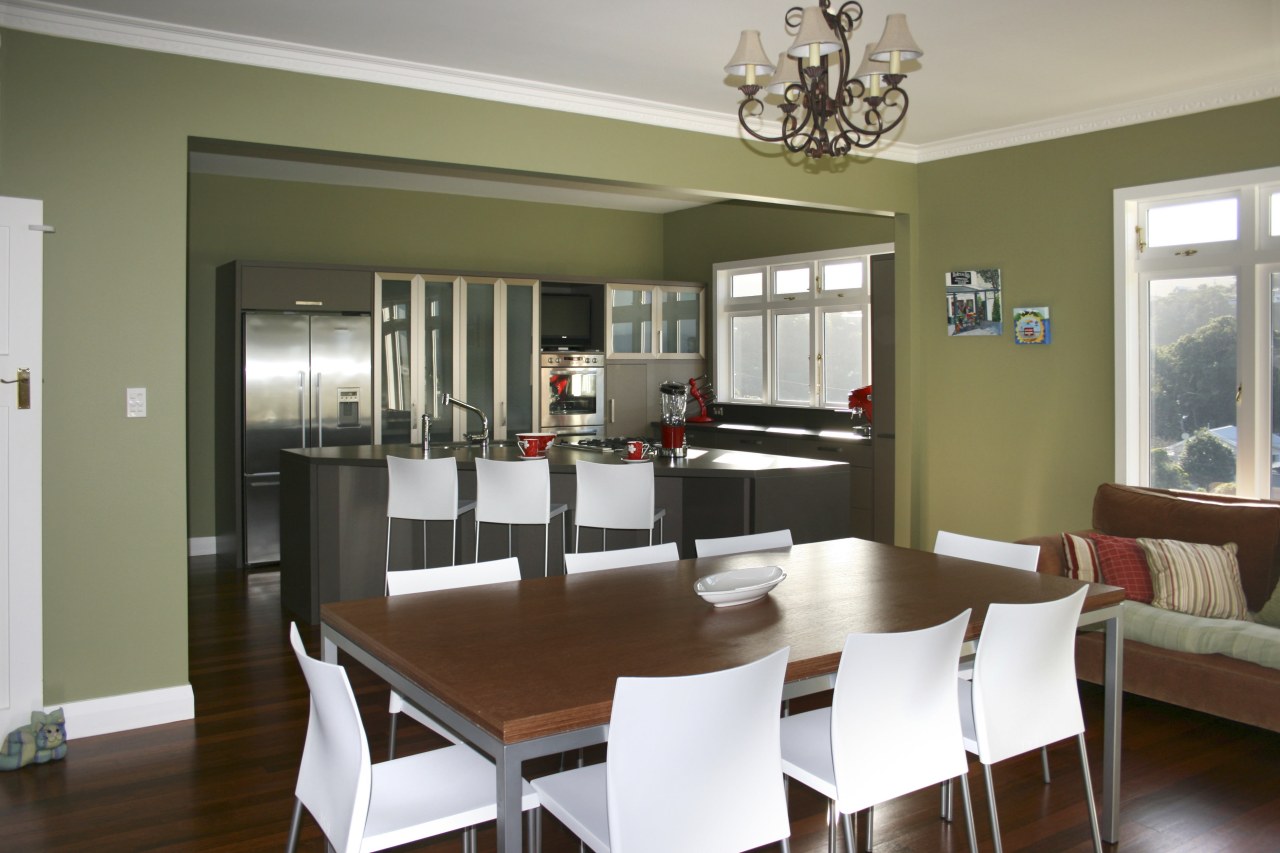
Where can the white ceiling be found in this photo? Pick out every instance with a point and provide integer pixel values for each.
(994, 72)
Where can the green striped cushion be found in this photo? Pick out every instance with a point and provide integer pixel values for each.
(1235, 638)
(1200, 580)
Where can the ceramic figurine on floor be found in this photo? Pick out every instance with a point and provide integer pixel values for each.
(43, 741)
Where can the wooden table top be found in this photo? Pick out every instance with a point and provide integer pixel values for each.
(536, 657)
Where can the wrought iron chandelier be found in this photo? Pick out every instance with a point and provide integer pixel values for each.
(826, 110)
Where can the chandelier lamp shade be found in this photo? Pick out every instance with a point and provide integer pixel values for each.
(828, 106)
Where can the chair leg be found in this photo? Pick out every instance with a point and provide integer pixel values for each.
(477, 557)
(385, 588)
(294, 826)
(453, 544)
(946, 801)
(509, 526)
(546, 550)
(848, 822)
(968, 813)
(391, 737)
(577, 539)
(1088, 795)
(1044, 763)
(991, 804)
(533, 826)
(469, 840)
(564, 543)
(832, 821)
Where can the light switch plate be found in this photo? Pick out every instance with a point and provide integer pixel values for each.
(135, 402)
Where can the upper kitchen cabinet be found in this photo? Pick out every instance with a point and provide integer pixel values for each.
(655, 321)
(470, 337)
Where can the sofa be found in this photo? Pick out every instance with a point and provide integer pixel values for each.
(1226, 667)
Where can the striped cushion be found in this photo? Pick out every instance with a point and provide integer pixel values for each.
(1180, 632)
(1082, 559)
(1201, 580)
(1123, 563)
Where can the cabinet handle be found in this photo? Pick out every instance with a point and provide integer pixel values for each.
(613, 410)
(828, 449)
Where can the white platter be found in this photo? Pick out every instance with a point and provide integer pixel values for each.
(739, 586)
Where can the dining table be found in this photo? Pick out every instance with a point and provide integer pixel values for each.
(526, 669)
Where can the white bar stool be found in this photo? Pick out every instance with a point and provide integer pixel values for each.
(615, 497)
(517, 492)
(424, 490)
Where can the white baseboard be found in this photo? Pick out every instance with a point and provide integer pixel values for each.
(129, 711)
(202, 546)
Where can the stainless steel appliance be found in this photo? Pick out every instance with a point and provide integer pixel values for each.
(572, 397)
(307, 383)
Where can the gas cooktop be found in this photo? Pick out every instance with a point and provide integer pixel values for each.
(600, 445)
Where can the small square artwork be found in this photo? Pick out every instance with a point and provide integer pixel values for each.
(973, 303)
(1031, 325)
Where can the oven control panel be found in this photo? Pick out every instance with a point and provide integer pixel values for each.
(572, 359)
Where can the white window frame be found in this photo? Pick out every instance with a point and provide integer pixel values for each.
(1251, 259)
(815, 303)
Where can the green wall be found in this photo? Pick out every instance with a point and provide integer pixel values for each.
(1013, 440)
(699, 237)
(101, 134)
(991, 440)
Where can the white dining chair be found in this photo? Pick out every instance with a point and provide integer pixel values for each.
(621, 558)
(363, 807)
(408, 581)
(741, 544)
(1012, 555)
(615, 497)
(693, 766)
(518, 492)
(424, 490)
(893, 726)
(1023, 694)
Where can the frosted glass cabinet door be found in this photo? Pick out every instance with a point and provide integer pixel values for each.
(681, 330)
(630, 320)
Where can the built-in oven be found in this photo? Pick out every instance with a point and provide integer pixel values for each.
(572, 396)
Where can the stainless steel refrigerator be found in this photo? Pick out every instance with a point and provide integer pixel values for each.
(307, 383)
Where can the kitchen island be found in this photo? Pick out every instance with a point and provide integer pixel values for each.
(333, 512)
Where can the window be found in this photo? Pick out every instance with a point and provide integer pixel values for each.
(795, 330)
(1198, 324)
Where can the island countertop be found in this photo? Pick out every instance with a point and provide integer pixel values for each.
(333, 522)
(700, 462)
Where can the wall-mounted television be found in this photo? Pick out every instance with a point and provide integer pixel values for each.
(568, 319)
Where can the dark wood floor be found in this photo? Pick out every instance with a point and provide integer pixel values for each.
(224, 781)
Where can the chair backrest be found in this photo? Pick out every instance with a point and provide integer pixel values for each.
(1024, 677)
(335, 775)
(453, 577)
(741, 544)
(895, 724)
(422, 489)
(594, 561)
(695, 762)
(618, 497)
(516, 492)
(1009, 554)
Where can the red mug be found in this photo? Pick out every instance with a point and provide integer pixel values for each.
(533, 445)
(637, 450)
(672, 436)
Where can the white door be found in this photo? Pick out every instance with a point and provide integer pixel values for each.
(21, 644)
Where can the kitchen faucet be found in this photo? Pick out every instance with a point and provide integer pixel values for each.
(481, 437)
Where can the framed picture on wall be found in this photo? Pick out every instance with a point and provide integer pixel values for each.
(1031, 325)
(973, 303)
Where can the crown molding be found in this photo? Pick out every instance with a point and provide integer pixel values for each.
(1260, 88)
(123, 31)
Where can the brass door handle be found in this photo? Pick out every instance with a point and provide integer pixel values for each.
(24, 387)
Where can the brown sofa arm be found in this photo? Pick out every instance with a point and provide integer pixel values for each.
(1053, 557)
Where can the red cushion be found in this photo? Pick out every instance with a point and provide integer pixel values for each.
(1123, 563)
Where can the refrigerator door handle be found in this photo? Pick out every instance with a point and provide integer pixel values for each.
(318, 412)
(302, 406)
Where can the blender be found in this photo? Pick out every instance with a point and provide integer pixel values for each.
(675, 398)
